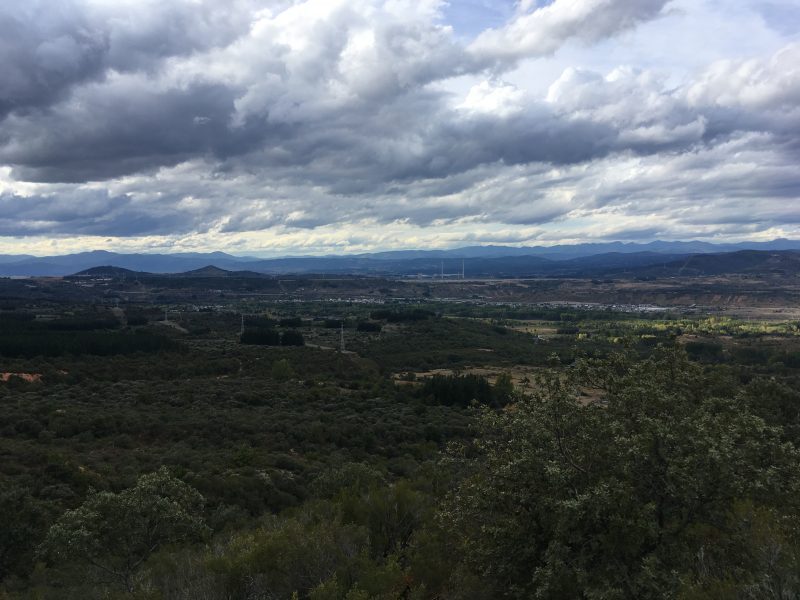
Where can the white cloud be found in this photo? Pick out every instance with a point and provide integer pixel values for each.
(771, 84)
(541, 31)
(330, 124)
(493, 98)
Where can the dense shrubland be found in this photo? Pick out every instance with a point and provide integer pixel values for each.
(214, 469)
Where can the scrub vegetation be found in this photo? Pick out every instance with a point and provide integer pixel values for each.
(449, 450)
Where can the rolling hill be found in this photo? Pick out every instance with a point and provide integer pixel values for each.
(663, 259)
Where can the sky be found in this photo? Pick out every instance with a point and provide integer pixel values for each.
(270, 127)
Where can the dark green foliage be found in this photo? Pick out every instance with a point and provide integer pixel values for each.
(83, 324)
(23, 520)
(291, 337)
(291, 322)
(778, 404)
(259, 322)
(433, 343)
(321, 470)
(390, 514)
(287, 556)
(59, 343)
(261, 337)
(16, 320)
(503, 390)
(113, 534)
(272, 337)
(400, 316)
(455, 390)
(369, 327)
(618, 500)
(704, 351)
(282, 370)
(20, 322)
(249, 430)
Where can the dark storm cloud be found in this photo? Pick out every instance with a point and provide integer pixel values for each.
(257, 115)
(359, 163)
(127, 128)
(49, 47)
(45, 47)
(96, 212)
(121, 125)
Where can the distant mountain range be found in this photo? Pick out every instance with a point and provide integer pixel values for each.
(612, 258)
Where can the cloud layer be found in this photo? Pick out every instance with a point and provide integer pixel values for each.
(330, 125)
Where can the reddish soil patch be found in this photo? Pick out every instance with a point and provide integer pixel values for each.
(29, 377)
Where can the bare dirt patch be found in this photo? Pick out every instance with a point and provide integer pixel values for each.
(521, 375)
(29, 377)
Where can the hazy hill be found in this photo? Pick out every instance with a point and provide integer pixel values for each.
(152, 263)
(108, 271)
(495, 261)
(213, 271)
(745, 262)
(568, 252)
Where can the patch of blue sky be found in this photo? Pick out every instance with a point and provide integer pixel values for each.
(784, 17)
(470, 17)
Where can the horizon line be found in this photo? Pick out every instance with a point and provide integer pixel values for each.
(250, 253)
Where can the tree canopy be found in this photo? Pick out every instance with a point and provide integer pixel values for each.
(646, 491)
(114, 534)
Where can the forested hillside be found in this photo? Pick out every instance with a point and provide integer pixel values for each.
(450, 451)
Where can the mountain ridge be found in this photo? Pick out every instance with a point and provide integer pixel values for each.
(608, 265)
(428, 262)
